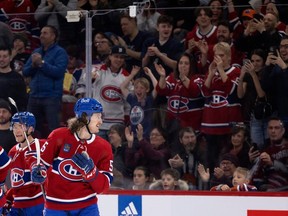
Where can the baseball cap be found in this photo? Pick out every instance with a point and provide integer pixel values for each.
(248, 13)
(118, 50)
(5, 105)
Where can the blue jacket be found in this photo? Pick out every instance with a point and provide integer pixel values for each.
(47, 80)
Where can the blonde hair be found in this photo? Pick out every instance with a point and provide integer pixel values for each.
(223, 46)
(243, 171)
(143, 81)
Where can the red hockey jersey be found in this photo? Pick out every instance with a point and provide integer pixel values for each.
(66, 189)
(184, 103)
(222, 106)
(4, 167)
(25, 192)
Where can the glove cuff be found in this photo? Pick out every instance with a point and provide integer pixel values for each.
(91, 175)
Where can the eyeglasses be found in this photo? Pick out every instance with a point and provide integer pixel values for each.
(226, 163)
(285, 46)
(155, 135)
(100, 42)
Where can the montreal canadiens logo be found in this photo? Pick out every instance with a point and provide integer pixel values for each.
(136, 115)
(111, 94)
(17, 177)
(177, 105)
(67, 170)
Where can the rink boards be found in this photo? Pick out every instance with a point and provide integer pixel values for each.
(148, 203)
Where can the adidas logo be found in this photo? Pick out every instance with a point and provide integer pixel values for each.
(130, 210)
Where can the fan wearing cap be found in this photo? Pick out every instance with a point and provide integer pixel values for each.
(265, 36)
(106, 89)
(81, 162)
(7, 137)
(222, 174)
(239, 24)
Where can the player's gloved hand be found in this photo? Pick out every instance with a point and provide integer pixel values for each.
(7, 207)
(38, 173)
(85, 166)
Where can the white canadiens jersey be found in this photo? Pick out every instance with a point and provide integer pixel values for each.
(106, 89)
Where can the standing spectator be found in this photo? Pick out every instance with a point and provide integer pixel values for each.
(222, 107)
(81, 163)
(203, 30)
(54, 13)
(270, 7)
(46, 67)
(153, 153)
(224, 34)
(106, 89)
(164, 49)
(12, 84)
(147, 19)
(185, 102)
(7, 137)
(140, 100)
(275, 79)
(102, 48)
(4, 168)
(133, 40)
(183, 21)
(266, 35)
(272, 163)
(217, 8)
(187, 154)
(170, 180)
(250, 90)
(26, 197)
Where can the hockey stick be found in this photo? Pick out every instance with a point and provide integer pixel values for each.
(38, 156)
(37, 144)
(21, 122)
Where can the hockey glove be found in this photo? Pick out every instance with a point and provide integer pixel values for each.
(85, 166)
(38, 173)
(7, 207)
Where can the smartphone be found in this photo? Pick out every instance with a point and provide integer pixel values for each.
(255, 147)
(273, 50)
(258, 17)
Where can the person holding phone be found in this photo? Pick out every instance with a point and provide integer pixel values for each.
(249, 89)
(275, 80)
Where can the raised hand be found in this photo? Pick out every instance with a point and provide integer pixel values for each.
(159, 68)
(129, 136)
(135, 70)
(204, 174)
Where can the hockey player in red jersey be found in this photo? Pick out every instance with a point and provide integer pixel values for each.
(4, 167)
(81, 163)
(26, 198)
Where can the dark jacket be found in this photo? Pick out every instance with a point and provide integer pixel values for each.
(47, 80)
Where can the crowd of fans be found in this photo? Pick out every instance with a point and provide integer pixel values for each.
(193, 98)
